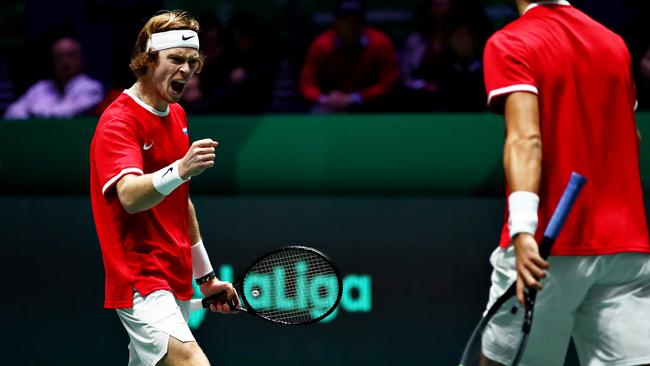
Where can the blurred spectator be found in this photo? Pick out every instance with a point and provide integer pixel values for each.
(442, 61)
(241, 64)
(71, 93)
(461, 66)
(420, 59)
(350, 67)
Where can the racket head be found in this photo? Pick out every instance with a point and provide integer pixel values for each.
(293, 285)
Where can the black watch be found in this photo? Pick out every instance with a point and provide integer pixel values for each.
(201, 280)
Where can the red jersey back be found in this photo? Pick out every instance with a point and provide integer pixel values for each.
(581, 73)
(149, 250)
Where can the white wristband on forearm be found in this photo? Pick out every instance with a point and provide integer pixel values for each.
(167, 179)
(200, 261)
(523, 212)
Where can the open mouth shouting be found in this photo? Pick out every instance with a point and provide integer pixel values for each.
(178, 86)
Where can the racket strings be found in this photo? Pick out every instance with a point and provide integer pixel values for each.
(292, 286)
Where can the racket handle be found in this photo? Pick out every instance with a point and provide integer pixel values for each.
(206, 302)
(564, 206)
(198, 304)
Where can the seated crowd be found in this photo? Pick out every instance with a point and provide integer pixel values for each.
(352, 66)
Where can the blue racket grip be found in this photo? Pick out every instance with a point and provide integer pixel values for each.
(563, 208)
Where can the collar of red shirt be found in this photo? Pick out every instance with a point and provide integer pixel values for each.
(546, 2)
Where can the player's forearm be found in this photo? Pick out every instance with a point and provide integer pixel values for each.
(140, 193)
(195, 234)
(137, 193)
(522, 159)
(202, 270)
(522, 155)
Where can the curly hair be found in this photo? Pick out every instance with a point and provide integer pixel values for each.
(161, 22)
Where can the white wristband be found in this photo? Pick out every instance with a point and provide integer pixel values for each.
(523, 213)
(167, 179)
(200, 262)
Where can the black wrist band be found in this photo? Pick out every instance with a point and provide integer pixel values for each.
(206, 278)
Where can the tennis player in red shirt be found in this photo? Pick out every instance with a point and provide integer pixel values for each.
(140, 161)
(564, 84)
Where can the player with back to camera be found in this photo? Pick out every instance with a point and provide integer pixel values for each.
(564, 84)
(140, 162)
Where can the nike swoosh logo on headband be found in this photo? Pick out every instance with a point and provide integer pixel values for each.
(186, 38)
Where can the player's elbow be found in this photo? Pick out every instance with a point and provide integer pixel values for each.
(128, 200)
(130, 195)
(129, 205)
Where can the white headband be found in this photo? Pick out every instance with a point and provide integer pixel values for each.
(173, 39)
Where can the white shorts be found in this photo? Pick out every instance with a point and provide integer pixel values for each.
(603, 302)
(150, 323)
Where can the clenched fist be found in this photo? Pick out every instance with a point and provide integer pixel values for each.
(199, 157)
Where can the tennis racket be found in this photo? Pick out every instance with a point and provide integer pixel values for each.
(292, 286)
(473, 352)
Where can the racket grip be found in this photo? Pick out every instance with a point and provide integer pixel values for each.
(198, 304)
(217, 297)
(564, 206)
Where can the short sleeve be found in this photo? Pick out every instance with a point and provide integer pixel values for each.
(117, 152)
(507, 69)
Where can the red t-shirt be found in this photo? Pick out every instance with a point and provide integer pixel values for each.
(581, 73)
(371, 71)
(149, 250)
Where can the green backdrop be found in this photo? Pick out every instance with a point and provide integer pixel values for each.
(391, 154)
